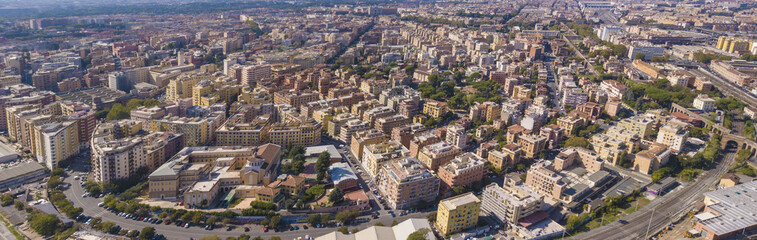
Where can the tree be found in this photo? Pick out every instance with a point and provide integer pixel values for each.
(243, 237)
(117, 112)
(322, 165)
(147, 233)
(378, 224)
(212, 220)
(275, 238)
(639, 56)
(197, 217)
(211, 237)
(336, 196)
(431, 217)
(343, 230)
(275, 221)
(187, 217)
(394, 223)
(421, 234)
(314, 219)
(458, 190)
(576, 142)
(346, 216)
(325, 218)
(44, 224)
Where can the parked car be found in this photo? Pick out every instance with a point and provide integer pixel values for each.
(186, 225)
(246, 229)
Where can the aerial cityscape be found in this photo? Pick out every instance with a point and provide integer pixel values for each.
(378, 120)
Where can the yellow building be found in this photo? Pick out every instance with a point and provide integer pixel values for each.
(434, 109)
(457, 213)
(197, 131)
(306, 133)
(181, 86)
(570, 124)
(731, 44)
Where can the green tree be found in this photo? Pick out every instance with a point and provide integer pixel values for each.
(421, 234)
(117, 112)
(211, 237)
(197, 217)
(187, 217)
(147, 233)
(322, 165)
(336, 196)
(212, 220)
(314, 219)
(275, 222)
(275, 238)
(325, 218)
(44, 224)
(576, 142)
(346, 216)
(343, 230)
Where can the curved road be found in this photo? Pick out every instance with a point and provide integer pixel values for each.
(89, 204)
(662, 211)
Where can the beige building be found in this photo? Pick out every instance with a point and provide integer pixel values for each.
(376, 155)
(638, 125)
(647, 161)
(574, 155)
(532, 145)
(405, 182)
(56, 142)
(673, 134)
(201, 174)
(363, 138)
(510, 156)
(510, 205)
(120, 149)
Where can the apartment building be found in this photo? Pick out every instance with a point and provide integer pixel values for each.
(486, 111)
(438, 154)
(405, 182)
(545, 181)
(648, 68)
(509, 157)
(422, 140)
(376, 155)
(120, 149)
(570, 124)
(294, 98)
(386, 124)
(574, 155)
(532, 145)
(363, 138)
(637, 125)
(674, 135)
(510, 205)
(290, 133)
(434, 109)
(608, 148)
(196, 130)
(55, 142)
(649, 160)
(462, 171)
(255, 73)
(704, 103)
(456, 136)
(457, 213)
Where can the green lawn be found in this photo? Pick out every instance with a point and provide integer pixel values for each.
(615, 215)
